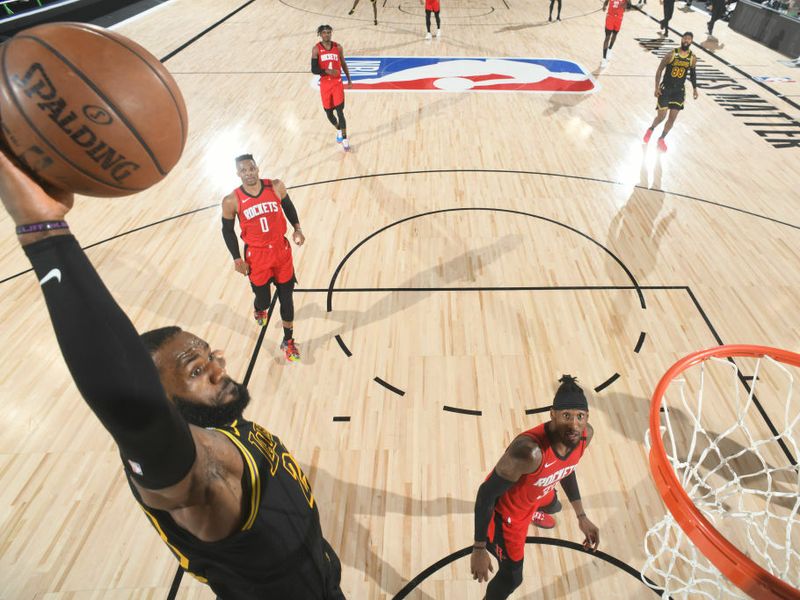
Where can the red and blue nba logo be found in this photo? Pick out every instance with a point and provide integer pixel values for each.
(449, 74)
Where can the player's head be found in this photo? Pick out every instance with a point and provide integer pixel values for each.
(194, 377)
(325, 32)
(247, 169)
(570, 412)
(686, 40)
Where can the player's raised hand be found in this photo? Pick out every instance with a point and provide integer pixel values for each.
(480, 564)
(26, 200)
(240, 266)
(591, 532)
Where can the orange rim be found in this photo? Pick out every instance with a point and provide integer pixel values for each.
(731, 562)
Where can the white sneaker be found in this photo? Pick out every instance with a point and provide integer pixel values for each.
(438, 33)
(428, 36)
(345, 144)
(339, 137)
(610, 54)
(603, 63)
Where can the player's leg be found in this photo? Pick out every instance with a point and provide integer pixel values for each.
(375, 11)
(661, 114)
(613, 39)
(508, 547)
(285, 280)
(550, 16)
(558, 16)
(339, 108)
(261, 302)
(352, 10)
(438, 23)
(669, 9)
(605, 45)
(428, 23)
(673, 114)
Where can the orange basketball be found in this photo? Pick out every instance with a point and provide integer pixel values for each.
(89, 110)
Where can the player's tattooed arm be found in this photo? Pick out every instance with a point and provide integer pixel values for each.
(661, 66)
(344, 66)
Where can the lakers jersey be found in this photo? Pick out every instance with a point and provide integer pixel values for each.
(277, 551)
(677, 70)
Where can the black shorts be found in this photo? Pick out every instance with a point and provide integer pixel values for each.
(671, 98)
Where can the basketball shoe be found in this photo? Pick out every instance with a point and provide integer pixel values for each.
(339, 137)
(647, 135)
(261, 317)
(662, 145)
(428, 36)
(346, 145)
(438, 33)
(290, 350)
(543, 520)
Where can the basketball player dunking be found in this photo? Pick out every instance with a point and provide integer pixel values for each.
(616, 10)
(327, 61)
(262, 207)
(225, 494)
(522, 487)
(670, 91)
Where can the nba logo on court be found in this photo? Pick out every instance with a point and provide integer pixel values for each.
(402, 73)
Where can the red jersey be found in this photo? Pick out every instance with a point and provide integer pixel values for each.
(329, 59)
(520, 502)
(616, 8)
(261, 218)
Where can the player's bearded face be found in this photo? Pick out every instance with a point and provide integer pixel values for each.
(227, 406)
(685, 43)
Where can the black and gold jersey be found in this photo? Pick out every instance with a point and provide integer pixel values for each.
(278, 550)
(677, 70)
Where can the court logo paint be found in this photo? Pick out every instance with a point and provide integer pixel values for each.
(448, 74)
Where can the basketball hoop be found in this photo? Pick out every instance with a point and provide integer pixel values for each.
(699, 476)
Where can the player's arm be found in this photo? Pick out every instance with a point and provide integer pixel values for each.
(108, 362)
(229, 234)
(693, 75)
(660, 71)
(521, 457)
(290, 211)
(344, 65)
(315, 68)
(570, 486)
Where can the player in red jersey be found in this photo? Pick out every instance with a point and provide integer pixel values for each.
(262, 207)
(327, 61)
(522, 487)
(374, 9)
(432, 6)
(616, 10)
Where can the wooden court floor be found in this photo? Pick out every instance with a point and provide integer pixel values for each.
(467, 252)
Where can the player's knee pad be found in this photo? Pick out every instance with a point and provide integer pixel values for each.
(286, 297)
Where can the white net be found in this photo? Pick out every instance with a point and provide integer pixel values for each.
(734, 451)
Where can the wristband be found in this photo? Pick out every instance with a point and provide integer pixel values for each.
(41, 226)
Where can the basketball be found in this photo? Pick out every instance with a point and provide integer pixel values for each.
(89, 110)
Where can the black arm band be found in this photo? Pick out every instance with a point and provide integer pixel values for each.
(693, 77)
(111, 367)
(315, 66)
(229, 235)
(290, 211)
(570, 486)
(488, 493)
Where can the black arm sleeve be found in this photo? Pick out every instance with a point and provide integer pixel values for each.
(111, 367)
(315, 66)
(693, 77)
(290, 211)
(488, 493)
(229, 235)
(570, 486)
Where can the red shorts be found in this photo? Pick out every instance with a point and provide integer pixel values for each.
(510, 541)
(271, 262)
(432, 5)
(613, 23)
(332, 92)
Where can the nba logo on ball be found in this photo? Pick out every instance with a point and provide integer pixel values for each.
(447, 74)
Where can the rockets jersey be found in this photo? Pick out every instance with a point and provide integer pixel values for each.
(278, 550)
(329, 59)
(616, 8)
(261, 218)
(520, 502)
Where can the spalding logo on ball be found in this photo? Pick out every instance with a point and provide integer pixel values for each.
(89, 110)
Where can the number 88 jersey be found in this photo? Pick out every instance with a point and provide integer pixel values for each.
(261, 217)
